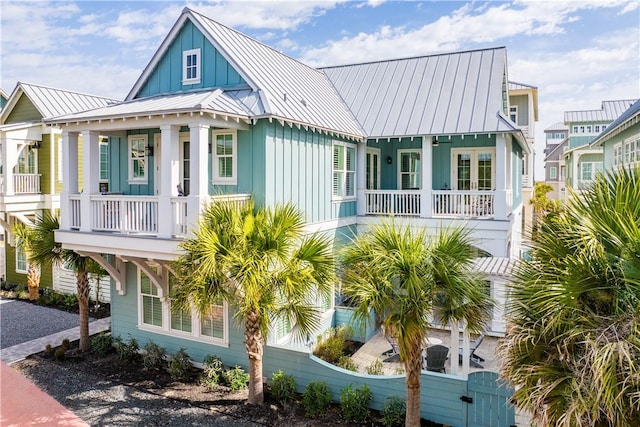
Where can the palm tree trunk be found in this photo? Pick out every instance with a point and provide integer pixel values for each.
(255, 348)
(33, 281)
(413, 368)
(82, 281)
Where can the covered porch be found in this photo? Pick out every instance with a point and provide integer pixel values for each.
(455, 177)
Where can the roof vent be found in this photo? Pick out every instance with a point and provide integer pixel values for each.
(284, 97)
(303, 102)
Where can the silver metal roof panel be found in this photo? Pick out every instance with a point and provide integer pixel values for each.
(608, 112)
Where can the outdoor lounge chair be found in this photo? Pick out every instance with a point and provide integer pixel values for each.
(436, 357)
(474, 359)
(394, 353)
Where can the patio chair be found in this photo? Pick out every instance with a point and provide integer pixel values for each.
(393, 353)
(474, 359)
(436, 357)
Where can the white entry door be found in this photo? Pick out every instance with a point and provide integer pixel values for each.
(473, 169)
(373, 168)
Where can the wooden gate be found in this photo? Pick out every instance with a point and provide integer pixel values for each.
(488, 401)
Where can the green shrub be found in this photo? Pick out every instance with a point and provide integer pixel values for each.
(59, 354)
(332, 348)
(347, 362)
(154, 357)
(69, 301)
(66, 344)
(180, 365)
(394, 412)
(398, 371)
(211, 376)
(127, 351)
(236, 378)
(354, 403)
(101, 343)
(283, 387)
(375, 368)
(316, 398)
(48, 350)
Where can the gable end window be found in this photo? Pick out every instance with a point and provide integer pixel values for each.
(225, 157)
(191, 66)
(344, 170)
(137, 159)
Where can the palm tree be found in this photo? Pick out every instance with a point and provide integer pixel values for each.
(262, 265)
(24, 238)
(44, 250)
(402, 275)
(542, 205)
(573, 344)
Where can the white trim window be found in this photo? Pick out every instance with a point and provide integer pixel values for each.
(225, 157)
(344, 171)
(137, 159)
(59, 158)
(409, 169)
(104, 159)
(22, 264)
(513, 113)
(191, 66)
(155, 314)
(553, 172)
(589, 170)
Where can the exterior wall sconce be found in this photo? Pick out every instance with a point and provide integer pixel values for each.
(36, 145)
(434, 141)
(148, 150)
(389, 160)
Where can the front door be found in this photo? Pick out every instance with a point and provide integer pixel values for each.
(185, 161)
(373, 168)
(473, 169)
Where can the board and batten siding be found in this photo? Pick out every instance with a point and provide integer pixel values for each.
(65, 282)
(167, 76)
(516, 173)
(44, 164)
(298, 169)
(23, 111)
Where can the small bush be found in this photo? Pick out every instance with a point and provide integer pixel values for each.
(354, 403)
(398, 371)
(59, 354)
(101, 343)
(375, 368)
(394, 412)
(283, 387)
(316, 398)
(236, 378)
(211, 375)
(66, 344)
(154, 357)
(48, 350)
(332, 348)
(347, 362)
(127, 351)
(180, 365)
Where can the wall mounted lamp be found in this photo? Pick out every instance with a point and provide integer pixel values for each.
(36, 145)
(389, 160)
(148, 150)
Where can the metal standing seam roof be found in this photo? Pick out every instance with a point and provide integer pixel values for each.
(495, 266)
(52, 102)
(609, 111)
(240, 103)
(632, 112)
(558, 126)
(455, 93)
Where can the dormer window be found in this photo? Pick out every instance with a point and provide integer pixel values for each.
(191, 66)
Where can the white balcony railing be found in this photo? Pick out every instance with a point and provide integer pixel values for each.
(463, 204)
(26, 183)
(393, 202)
(136, 214)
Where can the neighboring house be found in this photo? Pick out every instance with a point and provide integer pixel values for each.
(556, 143)
(621, 140)
(583, 161)
(523, 111)
(3, 99)
(427, 140)
(31, 164)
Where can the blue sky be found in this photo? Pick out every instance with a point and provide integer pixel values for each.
(578, 53)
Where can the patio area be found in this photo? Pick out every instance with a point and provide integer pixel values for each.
(376, 347)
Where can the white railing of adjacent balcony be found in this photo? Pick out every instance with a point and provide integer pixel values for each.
(136, 214)
(26, 183)
(463, 204)
(393, 202)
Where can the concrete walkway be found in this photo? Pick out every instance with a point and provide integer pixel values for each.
(22, 403)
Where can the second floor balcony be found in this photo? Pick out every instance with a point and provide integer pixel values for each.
(21, 183)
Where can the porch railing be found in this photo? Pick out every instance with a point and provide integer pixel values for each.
(74, 211)
(26, 183)
(466, 204)
(393, 202)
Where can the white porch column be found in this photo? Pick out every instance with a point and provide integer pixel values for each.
(427, 178)
(69, 176)
(453, 348)
(9, 160)
(499, 295)
(199, 185)
(502, 158)
(169, 169)
(361, 178)
(90, 175)
(465, 351)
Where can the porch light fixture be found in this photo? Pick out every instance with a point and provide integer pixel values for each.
(36, 145)
(148, 150)
(434, 141)
(389, 160)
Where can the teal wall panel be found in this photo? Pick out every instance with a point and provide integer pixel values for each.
(361, 332)
(522, 102)
(119, 160)
(167, 76)
(579, 141)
